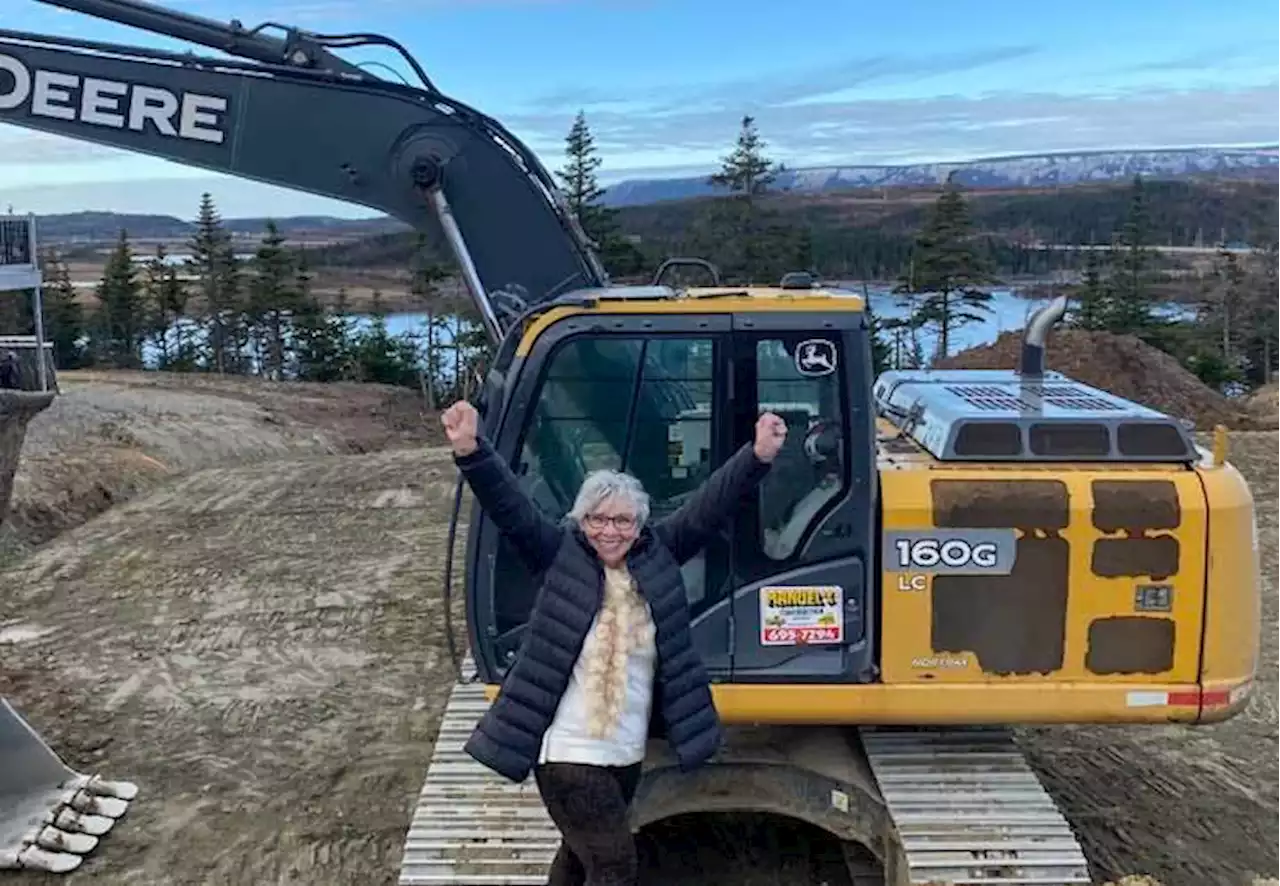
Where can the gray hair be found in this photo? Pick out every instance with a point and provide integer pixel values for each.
(601, 485)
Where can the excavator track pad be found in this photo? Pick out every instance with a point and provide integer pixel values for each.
(472, 827)
(50, 815)
(968, 809)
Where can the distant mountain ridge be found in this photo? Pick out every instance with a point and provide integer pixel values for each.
(1034, 170)
(1039, 170)
(96, 226)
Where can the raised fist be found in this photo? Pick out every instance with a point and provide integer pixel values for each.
(771, 432)
(461, 424)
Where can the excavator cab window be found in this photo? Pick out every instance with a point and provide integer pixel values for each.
(623, 404)
(809, 472)
(643, 404)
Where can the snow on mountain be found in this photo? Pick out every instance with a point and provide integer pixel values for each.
(995, 172)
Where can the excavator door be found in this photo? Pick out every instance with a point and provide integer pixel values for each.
(783, 592)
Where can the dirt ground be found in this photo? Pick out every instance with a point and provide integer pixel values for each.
(254, 633)
(111, 435)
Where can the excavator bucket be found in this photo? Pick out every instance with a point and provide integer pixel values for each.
(50, 815)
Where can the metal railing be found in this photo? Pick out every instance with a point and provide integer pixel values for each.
(18, 255)
(17, 241)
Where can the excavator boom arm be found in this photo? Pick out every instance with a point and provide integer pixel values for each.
(412, 153)
(297, 49)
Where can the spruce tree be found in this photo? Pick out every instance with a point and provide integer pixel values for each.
(121, 316)
(746, 171)
(213, 261)
(64, 321)
(582, 193)
(578, 176)
(273, 300)
(1093, 297)
(948, 270)
(1133, 262)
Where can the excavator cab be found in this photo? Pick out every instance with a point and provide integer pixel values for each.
(666, 388)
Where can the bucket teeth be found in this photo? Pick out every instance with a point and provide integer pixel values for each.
(80, 823)
(50, 815)
(58, 840)
(94, 804)
(37, 859)
(99, 786)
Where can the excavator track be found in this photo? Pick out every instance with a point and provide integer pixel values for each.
(964, 805)
(969, 810)
(472, 827)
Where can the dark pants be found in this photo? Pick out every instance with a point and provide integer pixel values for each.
(589, 805)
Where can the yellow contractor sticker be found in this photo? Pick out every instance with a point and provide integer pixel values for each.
(800, 615)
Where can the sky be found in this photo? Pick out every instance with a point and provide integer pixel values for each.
(664, 84)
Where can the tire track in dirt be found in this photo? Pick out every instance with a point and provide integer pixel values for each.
(261, 649)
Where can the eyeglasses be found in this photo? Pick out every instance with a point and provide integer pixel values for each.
(621, 522)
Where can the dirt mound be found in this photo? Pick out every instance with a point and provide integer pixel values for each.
(111, 435)
(1265, 405)
(1122, 365)
(17, 408)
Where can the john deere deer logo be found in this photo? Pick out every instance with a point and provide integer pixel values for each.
(817, 356)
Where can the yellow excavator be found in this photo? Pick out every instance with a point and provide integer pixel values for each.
(936, 556)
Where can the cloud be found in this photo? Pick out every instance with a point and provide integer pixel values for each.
(20, 147)
(915, 130)
(782, 88)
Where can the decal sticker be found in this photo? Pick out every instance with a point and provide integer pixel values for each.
(800, 615)
(112, 104)
(940, 662)
(816, 356)
(1153, 598)
(913, 581)
(950, 551)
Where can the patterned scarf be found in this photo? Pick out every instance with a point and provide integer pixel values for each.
(622, 626)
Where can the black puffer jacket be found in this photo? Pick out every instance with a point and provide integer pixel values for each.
(509, 736)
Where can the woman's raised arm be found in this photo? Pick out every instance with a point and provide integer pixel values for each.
(496, 488)
(687, 531)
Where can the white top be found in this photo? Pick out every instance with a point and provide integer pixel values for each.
(567, 739)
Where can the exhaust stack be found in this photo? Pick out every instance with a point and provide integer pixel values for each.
(1032, 363)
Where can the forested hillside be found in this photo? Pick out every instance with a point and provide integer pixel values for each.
(869, 236)
(945, 251)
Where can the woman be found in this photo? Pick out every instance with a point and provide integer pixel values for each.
(607, 660)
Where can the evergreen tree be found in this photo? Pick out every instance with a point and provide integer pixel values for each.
(1133, 263)
(1093, 298)
(1225, 322)
(273, 300)
(578, 176)
(881, 356)
(64, 321)
(213, 261)
(156, 329)
(321, 337)
(746, 171)
(947, 270)
(582, 193)
(121, 315)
